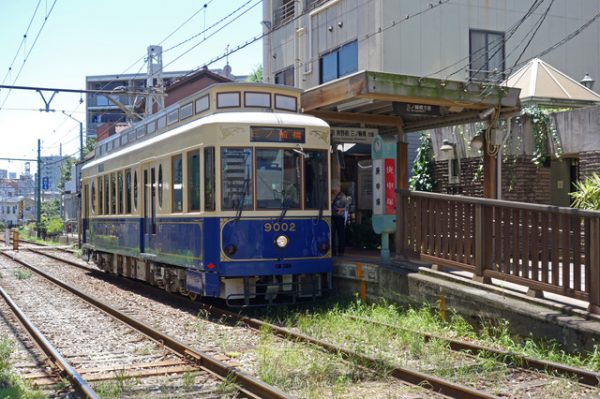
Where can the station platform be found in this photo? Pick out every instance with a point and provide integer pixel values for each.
(401, 281)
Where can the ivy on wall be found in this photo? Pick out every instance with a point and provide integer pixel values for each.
(422, 170)
(544, 133)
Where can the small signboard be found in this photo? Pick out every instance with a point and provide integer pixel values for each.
(45, 183)
(415, 109)
(357, 135)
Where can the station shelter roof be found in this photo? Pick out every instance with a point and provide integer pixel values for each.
(407, 103)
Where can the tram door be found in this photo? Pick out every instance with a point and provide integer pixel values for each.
(149, 202)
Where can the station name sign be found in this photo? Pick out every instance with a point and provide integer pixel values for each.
(357, 135)
(415, 109)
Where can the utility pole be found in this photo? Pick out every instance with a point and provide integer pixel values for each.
(80, 134)
(155, 94)
(39, 188)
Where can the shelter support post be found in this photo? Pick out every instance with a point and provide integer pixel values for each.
(401, 184)
(489, 175)
(594, 306)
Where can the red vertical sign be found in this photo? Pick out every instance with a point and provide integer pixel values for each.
(390, 186)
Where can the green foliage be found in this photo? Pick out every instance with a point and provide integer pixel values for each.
(65, 172)
(422, 171)
(543, 131)
(90, 144)
(587, 195)
(256, 75)
(11, 386)
(54, 227)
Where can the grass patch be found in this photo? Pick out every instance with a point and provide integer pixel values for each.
(22, 274)
(305, 371)
(11, 386)
(115, 388)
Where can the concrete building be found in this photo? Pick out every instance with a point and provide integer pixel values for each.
(321, 40)
(100, 110)
(51, 166)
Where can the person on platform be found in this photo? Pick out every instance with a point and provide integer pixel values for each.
(339, 216)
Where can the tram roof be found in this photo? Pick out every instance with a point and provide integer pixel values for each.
(410, 103)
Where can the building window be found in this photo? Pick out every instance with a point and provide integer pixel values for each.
(339, 62)
(283, 11)
(486, 56)
(285, 77)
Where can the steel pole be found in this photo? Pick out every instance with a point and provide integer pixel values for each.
(39, 188)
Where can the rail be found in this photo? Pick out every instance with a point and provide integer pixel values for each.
(545, 248)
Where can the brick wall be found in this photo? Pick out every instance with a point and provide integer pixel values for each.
(589, 162)
(521, 179)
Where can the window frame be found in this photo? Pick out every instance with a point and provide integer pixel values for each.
(193, 187)
(486, 72)
(174, 158)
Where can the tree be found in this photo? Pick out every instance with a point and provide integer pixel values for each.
(90, 144)
(422, 171)
(256, 75)
(65, 172)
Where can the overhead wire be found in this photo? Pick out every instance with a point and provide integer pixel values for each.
(497, 45)
(29, 52)
(537, 28)
(22, 42)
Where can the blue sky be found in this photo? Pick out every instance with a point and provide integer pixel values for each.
(85, 37)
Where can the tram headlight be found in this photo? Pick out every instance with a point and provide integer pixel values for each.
(281, 241)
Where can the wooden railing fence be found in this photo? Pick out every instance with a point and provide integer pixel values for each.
(544, 248)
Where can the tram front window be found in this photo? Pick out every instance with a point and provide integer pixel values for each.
(277, 178)
(236, 165)
(315, 180)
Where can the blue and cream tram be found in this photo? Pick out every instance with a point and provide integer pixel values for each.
(224, 194)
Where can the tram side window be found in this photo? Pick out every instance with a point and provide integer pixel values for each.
(177, 179)
(135, 190)
(100, 197)
(120, 186)
(113, 194)
(315, 180)
(128, 191)
(160, 186)
(277, 178)
(93, 197)
(236, 173)
(106, 196)
(193, 165)
(209, 179)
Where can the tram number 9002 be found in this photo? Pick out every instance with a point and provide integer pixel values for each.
(277, 227)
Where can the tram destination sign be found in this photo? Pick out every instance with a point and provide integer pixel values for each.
(277, 134)
(358, 135)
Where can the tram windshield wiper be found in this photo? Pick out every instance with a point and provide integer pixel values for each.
(284, 205)
(240, 207)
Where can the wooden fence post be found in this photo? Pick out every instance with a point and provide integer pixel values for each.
(594, 266)
(480, 241)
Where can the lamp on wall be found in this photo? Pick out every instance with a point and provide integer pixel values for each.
(587, 81)
(477, 140)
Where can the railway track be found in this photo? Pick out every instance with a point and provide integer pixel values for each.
(436, 384)
(128, 348)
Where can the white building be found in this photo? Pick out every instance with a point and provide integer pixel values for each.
(320, 40)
